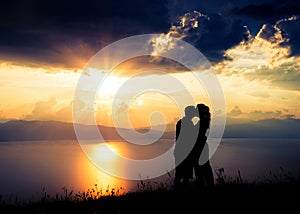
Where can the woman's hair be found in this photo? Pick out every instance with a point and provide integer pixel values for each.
(204, 116)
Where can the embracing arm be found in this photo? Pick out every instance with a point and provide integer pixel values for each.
(178, 127)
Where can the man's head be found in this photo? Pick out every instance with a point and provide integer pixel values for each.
(190, 111)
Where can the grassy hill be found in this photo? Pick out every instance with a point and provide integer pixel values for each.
(229, 195)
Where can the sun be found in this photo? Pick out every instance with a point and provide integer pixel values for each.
(111, 84)
(140, 102)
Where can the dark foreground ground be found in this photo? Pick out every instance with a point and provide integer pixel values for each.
(227, 196)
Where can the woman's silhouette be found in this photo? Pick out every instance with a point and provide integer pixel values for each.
(203, 171)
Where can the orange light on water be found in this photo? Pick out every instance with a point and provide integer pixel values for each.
(90, 174)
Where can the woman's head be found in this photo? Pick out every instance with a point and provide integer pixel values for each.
(204, 114)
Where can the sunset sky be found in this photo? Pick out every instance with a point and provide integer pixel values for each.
(253, 46)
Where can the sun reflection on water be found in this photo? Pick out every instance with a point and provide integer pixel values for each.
(111, 155)
(90, 174)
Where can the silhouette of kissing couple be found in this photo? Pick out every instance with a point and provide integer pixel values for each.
(190, 145)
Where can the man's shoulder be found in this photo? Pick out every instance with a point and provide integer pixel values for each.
(179, 121)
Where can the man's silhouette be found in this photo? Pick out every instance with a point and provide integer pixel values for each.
(203, 172)
(186, 136)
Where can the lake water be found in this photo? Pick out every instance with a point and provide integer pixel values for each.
(28, 167)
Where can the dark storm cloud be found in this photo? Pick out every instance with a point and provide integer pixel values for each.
(289, 30)
(68, 33)
(226, 27)
(216, 35)
(292, 32)
(47, 31)
(258, 11)
(270, 11)
(211, 34)
(224, 7)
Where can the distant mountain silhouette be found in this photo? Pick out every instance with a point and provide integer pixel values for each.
(19, 130)
(270, 128)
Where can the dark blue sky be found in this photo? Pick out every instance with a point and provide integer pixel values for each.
(40, 32)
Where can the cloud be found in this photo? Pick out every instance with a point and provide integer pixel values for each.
(289, 116)
(64, 113)
(179, 29)
(122, 109)
(235, 112)
(278, 33)
(43, 110)
(265, 49)
(199, 29)
(226, 27)
(186, 23)
(292, 33)
(217, 35)
(265, 57)
(284, 76)
(50, 110)
(177, 8)
(269, 10)
(261, 94)
(68, 33)
(145, 65)
(258, 114)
